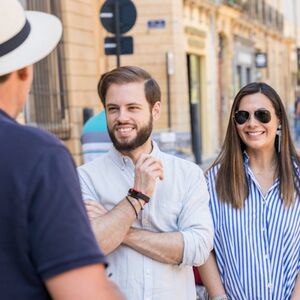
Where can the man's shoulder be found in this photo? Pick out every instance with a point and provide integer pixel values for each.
(29, 135)
(177, 159)
(179, 163)
(26, 141)
(96, 164)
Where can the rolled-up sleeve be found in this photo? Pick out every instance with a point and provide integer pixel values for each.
(195, 221)
(86, 184)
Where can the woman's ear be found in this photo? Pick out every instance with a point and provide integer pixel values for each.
(278, 123)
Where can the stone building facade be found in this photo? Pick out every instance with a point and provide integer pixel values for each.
(201, 52)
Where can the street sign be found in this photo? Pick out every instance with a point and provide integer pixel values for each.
(126, 11)
(155, 24)
(118, 17)
(126, 45)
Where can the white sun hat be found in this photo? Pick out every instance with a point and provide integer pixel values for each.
(25, 36)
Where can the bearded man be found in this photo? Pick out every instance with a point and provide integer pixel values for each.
(148, 209)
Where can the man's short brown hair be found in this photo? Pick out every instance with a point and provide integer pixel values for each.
(130, 74)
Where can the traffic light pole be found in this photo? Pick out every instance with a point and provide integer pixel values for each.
(118, 35)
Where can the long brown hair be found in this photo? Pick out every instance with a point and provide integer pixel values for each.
(231, 184)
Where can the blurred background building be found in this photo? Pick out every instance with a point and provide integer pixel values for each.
(201, 52)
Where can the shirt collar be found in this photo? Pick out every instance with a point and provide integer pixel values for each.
(246, 158)
(6, 115)
(124, 161)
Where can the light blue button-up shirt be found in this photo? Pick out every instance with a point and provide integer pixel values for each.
(179, 203)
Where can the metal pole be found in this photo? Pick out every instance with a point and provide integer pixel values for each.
(118, 35)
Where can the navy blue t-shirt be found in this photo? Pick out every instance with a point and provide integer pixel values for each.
(44, 229)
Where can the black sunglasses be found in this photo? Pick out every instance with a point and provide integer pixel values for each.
(261, 115)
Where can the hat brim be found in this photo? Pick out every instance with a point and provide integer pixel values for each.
(44, 35)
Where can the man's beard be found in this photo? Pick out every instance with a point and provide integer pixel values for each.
(142, 136)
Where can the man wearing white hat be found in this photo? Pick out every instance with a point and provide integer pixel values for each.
(47, 249)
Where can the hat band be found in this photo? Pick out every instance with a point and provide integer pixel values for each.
(15, 41)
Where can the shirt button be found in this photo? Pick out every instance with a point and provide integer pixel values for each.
(269, 285)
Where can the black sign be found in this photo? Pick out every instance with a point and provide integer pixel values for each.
(126, 11)
(261, 60)
(126, 45)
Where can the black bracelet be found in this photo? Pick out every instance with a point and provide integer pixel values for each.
(132, 206)
(139, 201)
(141, 205)
(138, 195)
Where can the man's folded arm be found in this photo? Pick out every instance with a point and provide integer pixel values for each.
(165, 247)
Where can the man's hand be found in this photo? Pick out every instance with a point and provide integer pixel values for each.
(147, 170)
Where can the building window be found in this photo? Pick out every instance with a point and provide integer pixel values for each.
(277, 19)
(264, 11)
(256, 7)
(248, 75)
(48, 105)
(270, 15)
(239, 79)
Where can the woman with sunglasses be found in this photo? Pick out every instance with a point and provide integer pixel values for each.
(254, 186)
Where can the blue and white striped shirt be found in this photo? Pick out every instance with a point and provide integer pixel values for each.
(257, 247)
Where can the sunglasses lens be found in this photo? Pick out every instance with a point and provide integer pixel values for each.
(241, 116)
(263, 116)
